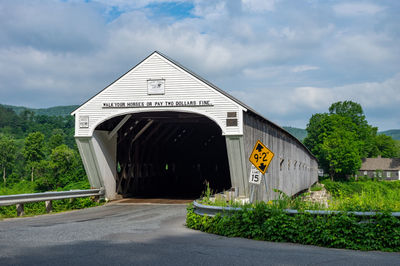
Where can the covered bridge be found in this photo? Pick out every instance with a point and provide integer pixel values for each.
(160, 130)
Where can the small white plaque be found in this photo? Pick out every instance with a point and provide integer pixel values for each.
(156, 86)
(84, 121)
(255, 176)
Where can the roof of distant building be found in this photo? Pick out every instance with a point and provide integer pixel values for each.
(371, 164)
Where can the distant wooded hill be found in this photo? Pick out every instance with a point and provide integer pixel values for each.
(51, 111)
(299, 133)
(394, 133)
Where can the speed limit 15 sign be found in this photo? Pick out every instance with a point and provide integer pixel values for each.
(255, 176)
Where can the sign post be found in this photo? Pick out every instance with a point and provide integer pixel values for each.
(260, 158)
(254, 180)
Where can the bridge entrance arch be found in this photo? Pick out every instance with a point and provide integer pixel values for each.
(167, 154)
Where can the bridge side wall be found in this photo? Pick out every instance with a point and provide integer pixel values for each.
(237, 163)
(98, 155)
(292, 169)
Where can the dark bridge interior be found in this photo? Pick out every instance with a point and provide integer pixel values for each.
(169, 154)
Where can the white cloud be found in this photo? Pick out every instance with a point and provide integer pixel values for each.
(366, 50)
(303, 68)
(357, 9)
(368, 94)
(298, 104)
(259, 5)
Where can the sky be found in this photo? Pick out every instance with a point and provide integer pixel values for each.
(287, 59)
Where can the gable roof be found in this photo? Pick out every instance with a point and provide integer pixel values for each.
(372, 164)
(177, 64)
(184, 69)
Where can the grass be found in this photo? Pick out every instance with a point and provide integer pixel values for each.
(368, 195)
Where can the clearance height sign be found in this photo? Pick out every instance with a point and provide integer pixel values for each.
(261, 156)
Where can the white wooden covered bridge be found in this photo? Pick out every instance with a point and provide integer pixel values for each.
(160, 130)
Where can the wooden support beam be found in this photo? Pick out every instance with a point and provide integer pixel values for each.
(151, 133)
(164, 132)
(120, 124)
(142, 131)
(130, 129)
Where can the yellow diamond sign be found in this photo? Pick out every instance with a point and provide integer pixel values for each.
(261, 156)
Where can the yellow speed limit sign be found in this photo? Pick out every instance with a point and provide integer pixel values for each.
(261, 156)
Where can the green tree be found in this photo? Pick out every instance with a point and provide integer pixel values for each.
(366, 134)
(341, 154)
(64, 167)
(56, 139)
(7, 154)
(397, 149)
(386, 146)
(64, 162)
(322, 126)
(34, 150)
(344, 120)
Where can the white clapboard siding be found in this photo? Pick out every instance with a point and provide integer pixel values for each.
(179, 85)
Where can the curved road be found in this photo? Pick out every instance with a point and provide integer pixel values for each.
(127, 234)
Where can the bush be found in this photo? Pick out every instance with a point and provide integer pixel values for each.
(37, 208)
(380, 232)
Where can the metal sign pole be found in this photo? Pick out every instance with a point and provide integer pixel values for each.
(252, 188)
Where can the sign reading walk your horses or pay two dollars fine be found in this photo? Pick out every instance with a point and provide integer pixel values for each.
(261, 156)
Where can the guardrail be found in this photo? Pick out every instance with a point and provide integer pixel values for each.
(214, 210)
(20, 199)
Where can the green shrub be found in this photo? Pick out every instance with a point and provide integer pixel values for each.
(380, 232)
(37, 208)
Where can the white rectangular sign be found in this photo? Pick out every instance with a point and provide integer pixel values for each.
(84, 121)
(156, 86)
(255, 176)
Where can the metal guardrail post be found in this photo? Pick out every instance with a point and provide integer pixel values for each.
(20, 209)
(49, 206)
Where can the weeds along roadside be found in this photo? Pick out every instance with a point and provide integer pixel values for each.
(268, 221)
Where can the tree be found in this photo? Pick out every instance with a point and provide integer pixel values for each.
(56, 139)
(64, 162)
(386, 146)
(365, 133)
(7, 154)
(321, 127)
(397, 149)
(340, 152)
(63, 167)
(34, 150)
(335, 155)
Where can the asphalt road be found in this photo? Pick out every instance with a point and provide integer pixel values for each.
(117, 234)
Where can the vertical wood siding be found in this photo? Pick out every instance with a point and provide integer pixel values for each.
(299, 168)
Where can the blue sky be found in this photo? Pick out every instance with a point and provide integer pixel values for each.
(287, 59)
